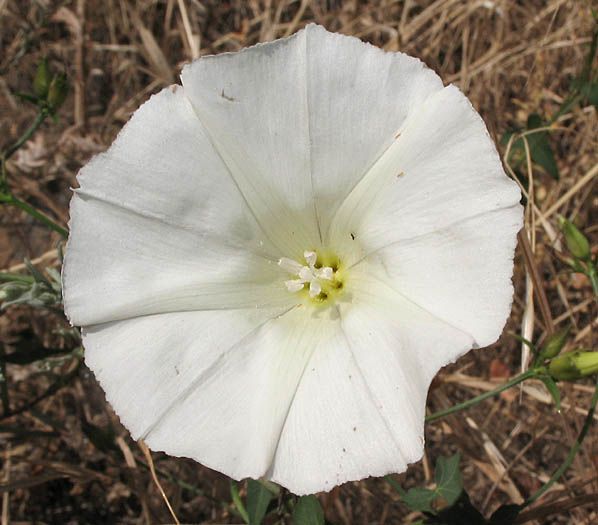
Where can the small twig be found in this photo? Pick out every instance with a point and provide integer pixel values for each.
(150, 462)
(556, 507)
(538, 281)
(6, 494)
(3, 381)
(576, 187)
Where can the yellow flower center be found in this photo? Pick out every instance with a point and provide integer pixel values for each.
(320, 280)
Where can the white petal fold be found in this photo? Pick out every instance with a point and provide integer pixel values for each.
(158, 225)
(213, 386)
(121, 264)
(442, 169)
(359, 409)
(300, 120)
(460, 274)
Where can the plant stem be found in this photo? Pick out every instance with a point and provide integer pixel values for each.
(456, 408)
(586, 426)
(6, 277)
(593, 275)
(395, 485)
(30, 131)
(38, 215)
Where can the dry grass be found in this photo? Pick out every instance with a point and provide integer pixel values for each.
(511, 58)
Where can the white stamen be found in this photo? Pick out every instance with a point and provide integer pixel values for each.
(310, 257)
(314, 288)
(295, 285)
(323, 273)
(306, 274)
(290, 266)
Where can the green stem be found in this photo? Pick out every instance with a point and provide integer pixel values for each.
(6, 277)
(30, 131)
(38, 215)
(395, 485)
(593, 276)
(456, 408)
(586, 426)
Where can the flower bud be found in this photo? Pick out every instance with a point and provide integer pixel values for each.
(13, 290)
(576, 241)
(554, 343)
(58, 91)
(574, 365)
(41, 82)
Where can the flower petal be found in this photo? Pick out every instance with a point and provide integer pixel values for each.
(162, 165)
(443, 169)
(121, 264)
(253, 105)
(359, 409)
(158, 225)
(461, 274)
(283, 118)
(359, 98)
(213, 386)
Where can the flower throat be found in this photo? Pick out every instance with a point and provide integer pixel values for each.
(321, 279)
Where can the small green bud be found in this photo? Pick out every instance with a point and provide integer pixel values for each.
(13, 290)
(574, 365)
(46, 299)
(58, 91)
(576, 241)
(41, 82)
(554, 343)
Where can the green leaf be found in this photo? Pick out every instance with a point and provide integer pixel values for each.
(308, 511)
(419, 499)
(539, 147)
(553, 390)
(258, 498)
(37, 275)
(27, 97)
(449, 487)
(234, 492)
(449, 484)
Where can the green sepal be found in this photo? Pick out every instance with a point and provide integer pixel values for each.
(553, 389)
(42, 80)
(574, 365)
(554, 343)
(58, 91)
(576, 241)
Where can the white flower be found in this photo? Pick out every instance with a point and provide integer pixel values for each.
(272, 262)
